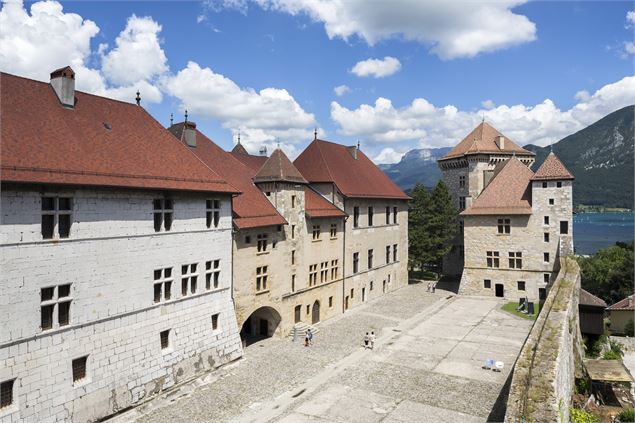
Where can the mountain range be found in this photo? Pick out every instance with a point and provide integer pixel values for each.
(600, 157)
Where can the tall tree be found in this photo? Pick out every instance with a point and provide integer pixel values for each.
(419, 212)
(443, 225)
(609, 272)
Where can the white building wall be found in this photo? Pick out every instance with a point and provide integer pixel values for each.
(109, 259)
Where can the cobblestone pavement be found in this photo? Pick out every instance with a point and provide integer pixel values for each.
(426, 367)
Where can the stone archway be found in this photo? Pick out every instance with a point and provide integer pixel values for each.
(260, 324)
(315, 312)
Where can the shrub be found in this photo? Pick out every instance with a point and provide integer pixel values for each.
(627, 415)
(611, 355)
(629, 330)
(583, 416)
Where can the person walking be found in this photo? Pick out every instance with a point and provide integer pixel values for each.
(429, 286)
(366, 340)
(309, 334)
(372, 340)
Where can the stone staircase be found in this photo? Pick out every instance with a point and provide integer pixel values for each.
(300, 329)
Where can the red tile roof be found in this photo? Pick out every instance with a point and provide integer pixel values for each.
(324, 161)
(586, 298)
(251, 208)
(482, 140)
(251, 161)
(317, 206)
(623, 304)
(509, 191)
(552, 169)
(239, 149)
(278, 168)
(99, 142)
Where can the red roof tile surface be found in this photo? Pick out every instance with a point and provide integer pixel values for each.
(509, 192)
(278, 168)
(251, 161)
(482, 141)
(239, 149)
(324, 161)
(251, 208)
(623, 304)
(552, 169)
(586, 298)
(317, 206)
(99, 142)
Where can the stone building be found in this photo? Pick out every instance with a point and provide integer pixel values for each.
(116, 258)
(514, 223)
(620, 314)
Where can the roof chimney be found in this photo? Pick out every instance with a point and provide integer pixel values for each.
(500, 142)
(353, 150)
(63, 82)
(189, 133)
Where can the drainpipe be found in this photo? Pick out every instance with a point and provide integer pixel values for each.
(343, 254)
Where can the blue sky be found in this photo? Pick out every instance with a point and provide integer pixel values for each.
(537, 70)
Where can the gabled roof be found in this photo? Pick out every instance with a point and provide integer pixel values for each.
(251, 161)
(278, 168)
(317, 206)
(482, 140)
(623, 304)
(324, 161)
(552, 169)
(251, 208)
(239, 149)
(586, 298)
(509, 192)
(99, 142)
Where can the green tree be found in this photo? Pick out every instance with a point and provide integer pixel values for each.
(609, 272)
(418, 231)
(442, 225)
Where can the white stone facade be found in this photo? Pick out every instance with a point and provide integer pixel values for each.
(110, 259)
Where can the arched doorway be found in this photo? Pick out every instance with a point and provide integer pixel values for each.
(260, 324)
(315, 313)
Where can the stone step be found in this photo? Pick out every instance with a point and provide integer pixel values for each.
(301, 329)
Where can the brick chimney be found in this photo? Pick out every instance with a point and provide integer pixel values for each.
(189, 133)
(63, 82)
(500, 142)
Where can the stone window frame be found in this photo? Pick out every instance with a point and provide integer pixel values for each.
(546, 278)
(189, 279)
(163, 211)
(462, 180)
(559, 184)
(54, 214)
(331, 301)
(212, 212)
(565, 227)
(313, 274)
(545, 237)
(262, 240)
(324, 271)
(552, 201)
(215, 321)
(7, 394)
(317, 232)
(164, 339)
(356, 217)
(293, 282)
(52, 299)
(262, 278)
(493, 259)
(371, 215)
(521, 286)
(355, 262)
(212, 274)
(545, 220)
(395, 257)
(462, 203)
(333, 230)
(371, 254)
(515, 259)
(387, 215)
(292, 257)
(545, 257)
(163, 281)
(545, 184)
(293, 201)
(292, 231)
(371, 286)
(487, 284)
(388, 254)
(334, 269)
(79, 367)
(504, 225)
(395, 210)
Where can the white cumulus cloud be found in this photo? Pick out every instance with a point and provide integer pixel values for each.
(488, 104)
(434, 126)
(630, 17)
(340, 90)
(388, 155)
(377, 68)
(263, 117)
(452, 29)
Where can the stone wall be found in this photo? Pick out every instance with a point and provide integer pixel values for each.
(544, 374)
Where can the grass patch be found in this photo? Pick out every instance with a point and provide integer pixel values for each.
(511, 308)
(425, 275)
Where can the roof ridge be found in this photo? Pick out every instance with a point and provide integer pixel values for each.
(326, 164)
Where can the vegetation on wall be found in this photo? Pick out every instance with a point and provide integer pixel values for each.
(608, 274)
(432, 224)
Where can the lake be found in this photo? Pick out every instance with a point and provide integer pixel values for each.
(594, 231)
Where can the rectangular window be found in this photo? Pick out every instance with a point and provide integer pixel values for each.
(163, 214)
(387, 215)
(544, 185)
(545, 257)
(515, 260)
(333, 230)
(261, 278)
(324, 271)
(162, 284)
(334, 270)
(316, 232)
(312, 274)
(461, 203)
(493, 259)
(6, 393)
(394, 252)
(546, 236)
(504, 226)
(212, 274)
(292, 231)
(189, 277)
(487, 283)
(57, 217)
(215, 321)
(551, 201)
(247, 239)
(371, 285)
(564, 227)
(352, 293)
(79, 368)
(355, 217)
(546, 220)
(370, 259)
(330, 302)
(293, 201)
(521, 285)
(262, 242)
(292, 257)
(462, 181)
(355, 262)
(394, 215)
(370, 216)
(164, 336)
(559, 184)
(546, 277)
(50, 302)
(387, 254)
(212, 214)
(292, 283)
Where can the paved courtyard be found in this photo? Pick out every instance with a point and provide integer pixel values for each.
(426, 366)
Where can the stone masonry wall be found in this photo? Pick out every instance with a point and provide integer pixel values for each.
(544, 374)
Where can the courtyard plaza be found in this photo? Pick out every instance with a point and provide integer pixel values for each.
(426, 366)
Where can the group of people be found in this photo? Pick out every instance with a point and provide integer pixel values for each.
(432, 287)
(308, 338)
(369, 340)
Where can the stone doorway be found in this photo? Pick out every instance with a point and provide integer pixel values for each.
(315, 312)
(500, 291)
(261, 324)
(297, 313)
